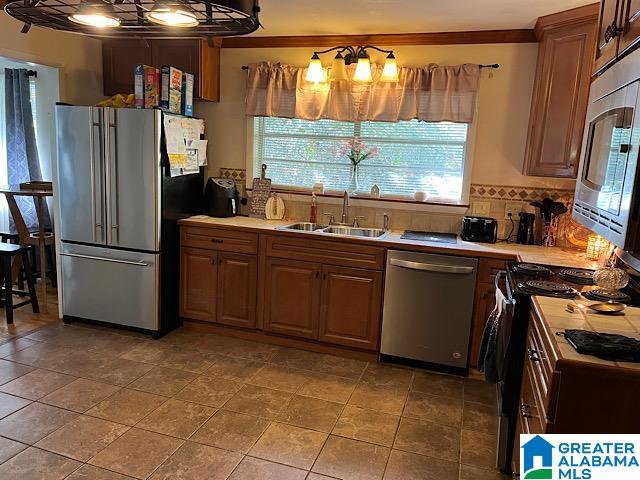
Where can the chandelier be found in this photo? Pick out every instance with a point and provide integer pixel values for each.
(139, 18)
(346, 56)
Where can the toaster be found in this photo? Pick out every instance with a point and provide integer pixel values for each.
(221, 198)
(479, 229)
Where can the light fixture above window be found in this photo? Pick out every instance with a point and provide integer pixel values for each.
(346, 56)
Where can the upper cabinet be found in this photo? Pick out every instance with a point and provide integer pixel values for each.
(120, 56)
(618, 31)
(560, 92)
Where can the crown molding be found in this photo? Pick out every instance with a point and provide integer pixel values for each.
(567, 18)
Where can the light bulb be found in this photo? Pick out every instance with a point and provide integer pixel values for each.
(169, 15)
(390, 70)
(338, 68)
(363, 69)
(95, 14)
(315, 73)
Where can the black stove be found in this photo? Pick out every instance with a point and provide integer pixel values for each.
(547, 288)
(602, 295)
(582, 276)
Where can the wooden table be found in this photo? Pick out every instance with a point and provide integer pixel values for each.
(40, 239)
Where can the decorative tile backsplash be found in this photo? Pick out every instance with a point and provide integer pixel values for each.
(525, 194)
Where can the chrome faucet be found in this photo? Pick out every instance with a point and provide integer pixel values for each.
(385, 221)
(345, 205)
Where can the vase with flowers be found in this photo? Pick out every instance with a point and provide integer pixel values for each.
(357, 151)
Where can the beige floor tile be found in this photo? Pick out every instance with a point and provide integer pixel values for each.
(293, 446)
(231, 431)
(34, 422)
(255, 468)
(126, 406)
(328, 387)
(82, 438)
(309, 412)
(257, 352)
(317, 476)
(10, 371)
(40, 355)
(36, 384)
(294, 358)
(10, 404)
(280, 378)
(177, 418)
(147, 352)
(382, 399)
(340, 366)
(9, 448)
(193, 461)
(479, 392)
(444, 410)
(117, 371)
(15, 346)
(409, 466)
(478, 449)
(482, 418)
(438, 384)
(428, 438)
(468, 472)
(36, 464)
(235, 368)
(209, 390)
(258, 401)
(89, 472)
(163, 381)
(351, 459)
(367, 425)
(80, 395)
(187, 360)
(137, 453)
(387, 376)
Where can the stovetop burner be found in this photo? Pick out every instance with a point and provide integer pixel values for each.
(546, 288)
(577, 275)
(606, 295)
(532, 269)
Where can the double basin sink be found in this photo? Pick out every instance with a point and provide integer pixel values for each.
(335, 229)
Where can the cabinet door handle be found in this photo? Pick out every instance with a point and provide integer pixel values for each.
(533, 355)
(217, 240)
(317, 274)
(525, 410)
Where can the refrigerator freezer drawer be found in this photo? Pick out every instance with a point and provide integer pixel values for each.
(111, 286)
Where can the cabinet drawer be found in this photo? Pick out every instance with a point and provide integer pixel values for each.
(539, 354)
(219, 239)
(488, 268)
(326, 252)
(531, 408)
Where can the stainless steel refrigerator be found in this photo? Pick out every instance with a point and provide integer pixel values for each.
(119, 209)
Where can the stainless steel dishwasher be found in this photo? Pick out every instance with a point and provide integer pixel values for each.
(428, 304)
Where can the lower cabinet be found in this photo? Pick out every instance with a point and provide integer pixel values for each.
(218, 287)
(198, 278)
(350, 306)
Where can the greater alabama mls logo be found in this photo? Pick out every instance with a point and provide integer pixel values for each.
(580, 457)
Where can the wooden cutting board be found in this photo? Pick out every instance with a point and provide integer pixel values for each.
(274, 210)
(260, 194)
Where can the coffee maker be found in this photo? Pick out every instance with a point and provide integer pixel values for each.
(526, 229)
(221, 198)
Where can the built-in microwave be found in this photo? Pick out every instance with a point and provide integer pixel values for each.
(607, 199)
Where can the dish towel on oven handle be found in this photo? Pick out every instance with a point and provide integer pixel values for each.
(494, 343)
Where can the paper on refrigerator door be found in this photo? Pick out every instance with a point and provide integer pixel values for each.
(175, 141)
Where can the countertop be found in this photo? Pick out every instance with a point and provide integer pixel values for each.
(558, 318)
(501, 250)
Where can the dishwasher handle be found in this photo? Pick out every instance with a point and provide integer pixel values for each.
(103, 259)
(431, 267)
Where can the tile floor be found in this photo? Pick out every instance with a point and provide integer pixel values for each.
(80, 402)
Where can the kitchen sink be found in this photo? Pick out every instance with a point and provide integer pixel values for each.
(302, 227)
(355, 231)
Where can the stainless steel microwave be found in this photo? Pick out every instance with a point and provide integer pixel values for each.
(607, 198)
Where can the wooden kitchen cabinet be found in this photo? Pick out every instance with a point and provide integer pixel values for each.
(236, 289)
(120, 56)
(607, 33)
(630, 25)
(560, 92)
(292, 297)
(198, 278)
(350, 311)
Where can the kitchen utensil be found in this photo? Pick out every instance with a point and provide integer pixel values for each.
(608, 308)
(526, 228)
(260, 195)
(274, 209)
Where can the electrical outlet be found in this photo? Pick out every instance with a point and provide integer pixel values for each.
(514, 209)
(481, 209)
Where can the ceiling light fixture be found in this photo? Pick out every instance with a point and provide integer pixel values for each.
(171, 15)
(95, 13)
(346, 56)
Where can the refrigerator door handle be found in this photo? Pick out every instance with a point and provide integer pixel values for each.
(95, 133)
(113, 260)
(111, 141)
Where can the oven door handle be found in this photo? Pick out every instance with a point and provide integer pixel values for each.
(508, 293)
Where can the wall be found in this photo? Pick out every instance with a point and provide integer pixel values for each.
(78, 58)
(502, 118)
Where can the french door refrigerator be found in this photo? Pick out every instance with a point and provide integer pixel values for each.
(119, 209)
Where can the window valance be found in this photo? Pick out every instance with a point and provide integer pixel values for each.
(432, 93)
